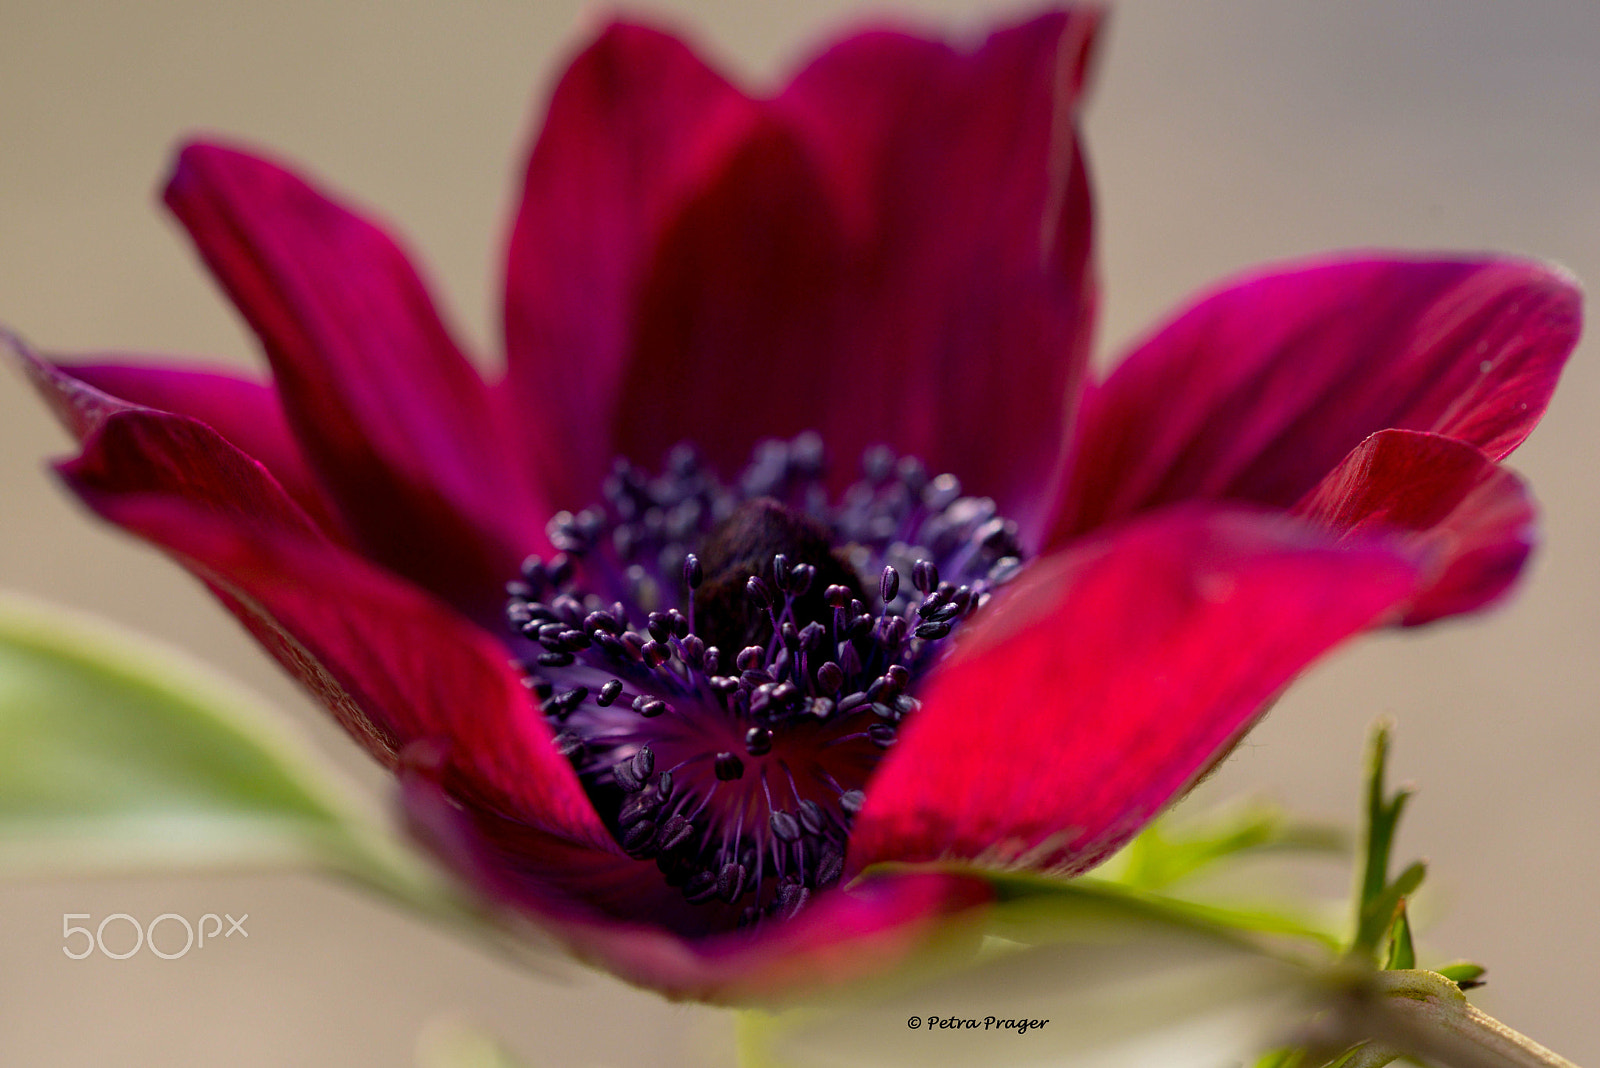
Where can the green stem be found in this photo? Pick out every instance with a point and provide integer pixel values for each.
(1428, 1017)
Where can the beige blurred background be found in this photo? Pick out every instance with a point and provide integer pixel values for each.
(1223, 132)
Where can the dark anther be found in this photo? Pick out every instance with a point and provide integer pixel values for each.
(638, 807)
(852, 702)
(830, 677)
(829, 867)
(674, 832)
(801, 579)
(563, 703)
(780, 571)
(750, 658)
(789, 634)
(559, 570)
(997, 535)
(554, 660)
(811, 635)
(945, 612)
(912, 472)
(851, 801)
(836, 596)
(785, 826)
(659, 626)
(899, 675)
(701, 887)
(888, 585)
(603, 621)
(882, 735)
(649, 707)
(609, 693)
(637, 839)
(876, 463)
(821, 707)
(694, 651)
(791, 899)
(941, 492)
(756, 590)
(693, 573)
(932, 631)
(728, 767)
(758, 741)
(784, 693)
(570, 744)
(730, 881)
(811, 817)
(656, 653)
(664, 786)
(643, 763)
(894, 633)
(806, 454)
(626, 780)
(1004, 570)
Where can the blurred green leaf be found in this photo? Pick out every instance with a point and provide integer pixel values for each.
(1402, 954)
(119, 754)
(1379, 899)
(1031, 905)
(1464, 973)
(1174, 848)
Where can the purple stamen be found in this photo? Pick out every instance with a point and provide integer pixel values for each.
(624, 635)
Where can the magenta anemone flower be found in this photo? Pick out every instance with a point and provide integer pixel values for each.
(795, 537)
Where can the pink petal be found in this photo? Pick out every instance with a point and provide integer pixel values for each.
(963, 177)
(1108, 678)
(897, 253)
(1474, 520)
(635, 124)
(246, 413)
(1259, 389)
(393, 418)
(582, 897)
(389, 661)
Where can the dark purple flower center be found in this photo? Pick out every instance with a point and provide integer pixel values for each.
(726, 665)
